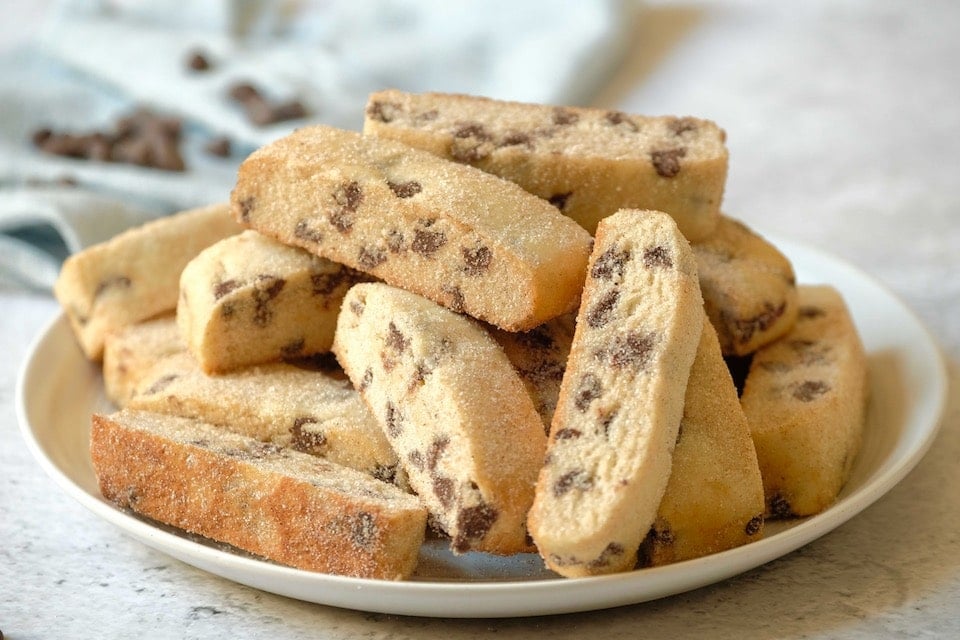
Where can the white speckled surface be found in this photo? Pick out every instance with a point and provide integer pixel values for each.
(843, 120)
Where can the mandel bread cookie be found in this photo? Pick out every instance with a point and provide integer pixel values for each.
(805, 399)
(587, 162)
(714, 498)
(463, 238)
(290, 507)
(135, 275)
(454, 409)
(308, 409)
(621, 398)
(748, 286)
(249, 299)
(131, 351)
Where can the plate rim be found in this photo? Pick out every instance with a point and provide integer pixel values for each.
(512, 598)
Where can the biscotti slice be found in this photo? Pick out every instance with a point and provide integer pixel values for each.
(311, 410)
(277, 503)
(135, 275)
(461, 237)
(748, 285)
(128, 354)
(249, 299)
(714, 499)
(540, 357)
(454, 409)
(621, 398)
(587, 162)
(805, 400)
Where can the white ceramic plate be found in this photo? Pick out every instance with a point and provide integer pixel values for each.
(58, 389)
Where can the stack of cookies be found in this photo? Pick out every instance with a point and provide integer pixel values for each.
(510, 324)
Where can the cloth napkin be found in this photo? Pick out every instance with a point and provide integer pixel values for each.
(94, 62)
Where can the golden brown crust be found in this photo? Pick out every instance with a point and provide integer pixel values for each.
(714, 499)
(463, 238)
(135, 275)
(748, 285)
(805, 399)
(588, 162)
(282, 505)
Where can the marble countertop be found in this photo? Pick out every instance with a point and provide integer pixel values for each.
(843, 120)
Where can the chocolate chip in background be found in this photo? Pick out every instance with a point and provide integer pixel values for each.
(198, 60)
(261, 111)
(219, 146)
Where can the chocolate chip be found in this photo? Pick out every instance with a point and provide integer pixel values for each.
(579, 480)
(609, 552)
(394, 420)
(456, 301)
(219, 146)
(667, 161)
(426, 243)
(303, 231)
(754, 526)
(632, 349)
(658, 256)
(405, 189)
(415, 458)
(259, 110)
(610, 264)
(745, 328)
(293, 348)
(619, 117)
(588, 390)
(246, 207)
(313, 442)
(117, 282)
(395, 241)
(357, 307)
(562, 116)
(567, 434)
(662, 533)
(223, 288)
(601, 313)
(198, 61)
(472, 524)
(348, 195)
(419, 377)
(363, 530)
(679, 126)
(160, 384)
(443, 488)
(810, 390)
(366, 380)
(385, 473)
(809, 311)
(470, 142)
(324, 284)
(779, 507)
(395, 340)
(383, 111)
(606, 419)
(437, 447)
(559, 200)
(476, 259)
(266, 288)
(371, 257)
(515, 138)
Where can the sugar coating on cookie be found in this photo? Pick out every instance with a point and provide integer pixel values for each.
(714, 499)
(130, 352)
(290, 507)
(805, 399)
(135, 275)
(621, 399)
(312, 410)
(250, 299)
(748, 285)
(540, 358)
(587, 162)
(452, 233)
(454, 409)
